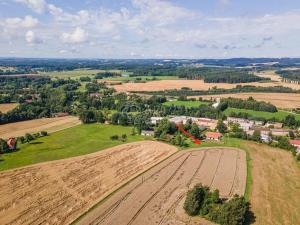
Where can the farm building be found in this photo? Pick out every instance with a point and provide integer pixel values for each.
(213, 136)
(147, 133)
(12, 144)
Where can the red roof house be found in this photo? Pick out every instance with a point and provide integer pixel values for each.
(213, 136)
(295, 143)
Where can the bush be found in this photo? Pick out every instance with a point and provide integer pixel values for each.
(201, 201)
(114, 137)
(44, 133)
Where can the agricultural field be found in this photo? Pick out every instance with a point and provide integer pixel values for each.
(143, 78)
(280, 115)
(5, 107)
(162, 85)
(74, 73)
(32, 126)
(158, 195)
(68, 188)
(64, 144)
(275, 189)
(281, 100)
(188, 104)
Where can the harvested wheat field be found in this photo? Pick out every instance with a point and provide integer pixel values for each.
(281, 100)
(31, 126)
(162, 85)
(5, 107)
(275, 190)
(157, 196)
(60, 191)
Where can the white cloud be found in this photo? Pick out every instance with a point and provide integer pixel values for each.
(16, 22)
(36, 5)
(77, 36)
(30, 36)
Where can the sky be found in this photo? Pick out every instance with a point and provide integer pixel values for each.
(149, 28)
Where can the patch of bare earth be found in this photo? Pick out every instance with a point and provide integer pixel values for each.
(58, 192)
(162, 85)
(5, 107)
(158, 195)
(275, 191)
(31, 126)
(281, 100)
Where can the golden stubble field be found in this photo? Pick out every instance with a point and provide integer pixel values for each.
(281, 100)
(275, 190)
(5, 107)
(162, 85)
(32, 126)
(158, 195)
(60, 191)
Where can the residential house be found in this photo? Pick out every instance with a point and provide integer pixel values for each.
(155, 120)
(213, 136)
(275, 125)
(147, 133)
(296, 143)
(208, 123)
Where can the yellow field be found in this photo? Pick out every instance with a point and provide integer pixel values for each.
(4, 108)
(281, 100)
(275, 190)
(31, 126)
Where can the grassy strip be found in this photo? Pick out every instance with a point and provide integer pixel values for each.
(188, 104)
(280, 115)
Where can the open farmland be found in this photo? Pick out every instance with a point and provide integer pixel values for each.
(67, 188)
(281, 100)
(157, 196)
(64, 144)
(280, 115)
(188, 104)
(162, 85)
(74, 73)
(5, 107)
(31, 126)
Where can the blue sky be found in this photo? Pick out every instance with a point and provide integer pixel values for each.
(149, 28)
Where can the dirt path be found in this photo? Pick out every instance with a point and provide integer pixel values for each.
(157, 196)
(32, 126)
(60, 191)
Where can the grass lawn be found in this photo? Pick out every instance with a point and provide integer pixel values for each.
(75, 141)
(188, 104)
(74, 73)
(267, 115)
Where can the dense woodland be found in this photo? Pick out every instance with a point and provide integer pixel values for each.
(250, 103)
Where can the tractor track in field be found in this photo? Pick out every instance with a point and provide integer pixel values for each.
(159, 190)
(181, 196)
(111, 209)
(235, 173)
